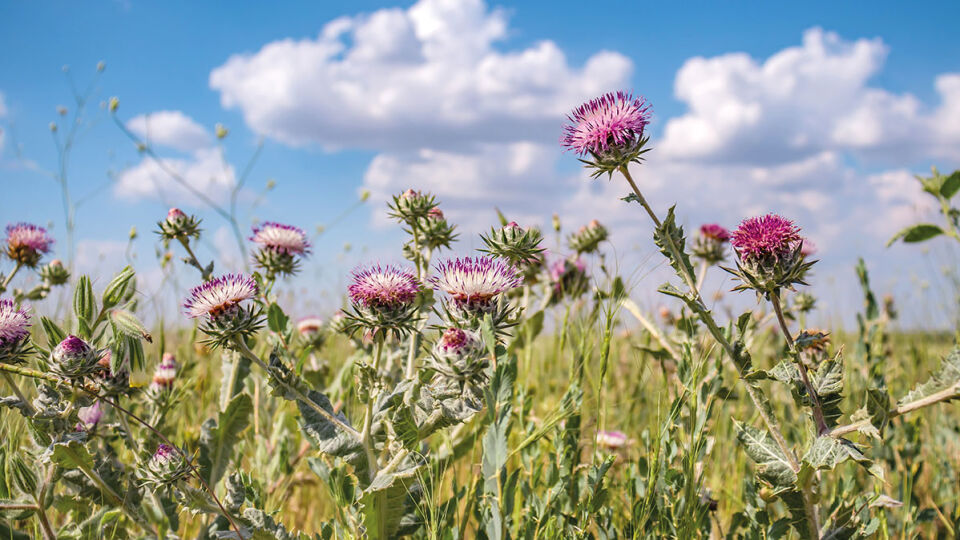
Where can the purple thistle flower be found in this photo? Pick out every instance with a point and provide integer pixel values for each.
(14, 323)
(175, 215)
(765, 236)
(26, 243)
(89, 416)
(715, 232)
(219, 295)
(475, 280)
(454, 341)
(612, 440)
(383, 287)
(165, 453)
(613, 119)
(165, 374)
(281, 238)
(72, 345)
(808, 248)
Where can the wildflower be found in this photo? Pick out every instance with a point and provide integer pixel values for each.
(163, 377)
(475, 282)
(588, 238)
(280, 247)
(568, 277)
(89, 416)
(458, 354)
(311, 330)
(26, 243)
(808, 248)
(74, 358)
(612, 440)
(709, 246)
(610, 129)
(383, 298)
(437, 232)
(411, 206)
(14, 333)
(514, 243)
(179, 226)
(220, 303)
(768, 248)
(112, 382)
(166, 466)
(54, 273)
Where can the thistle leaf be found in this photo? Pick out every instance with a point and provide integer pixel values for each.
(772, 465)
(219, 436)
(116, 290)
(669, 238)
(916, 233)
(827, 452)
(944, 380)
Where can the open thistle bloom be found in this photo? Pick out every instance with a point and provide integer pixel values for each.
(383, 299)
(459, 354)
(588, 238)
(769, 255)
(612, 440)
(165, 467)
(179, 226)
(569, 278)
(74, 358)
(26, 243)
(220, 303)
(610, 129)
(163, 377)
(519, 245)
(14, 333)
(475, 283)
(710, 244)
(280, 247)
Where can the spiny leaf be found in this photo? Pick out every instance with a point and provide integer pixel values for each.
(943, 380)
(71, 455)
(772, 465)
(827, 452)
(219, 437)
(669, 238)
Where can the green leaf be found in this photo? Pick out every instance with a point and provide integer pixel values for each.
(772, 464)
(277, 320)
(916, 233)
(951, 185)
(219, 437)
(944, 381)
(84, 305)
(71, 455)
(631, 197)
(53, 332)
(127, 324)
(116, 290)
(324, 434)
(669, 238)
(827, 452)
(383, 508)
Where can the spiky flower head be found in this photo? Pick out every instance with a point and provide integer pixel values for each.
(519, 245)
(26, 243)
(588, 238)
(54, 273)
(179, 226)
(383, 298)
(610, 129)
(281, 247)
(711, 243)
(14, 331)
(612, 440)
(768, 248)
(112, 382)
(165, 467)
(804, 302)
(163, 377)
(568, 278)
(475, 281)
(436, 231)
(411, 206)
(220, 303)
(459, 355)
(74, 358)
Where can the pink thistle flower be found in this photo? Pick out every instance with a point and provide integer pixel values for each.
(475, 280)
(165, 374)
(715, 232)
(454, 341)
(26, 243)
(612, 440)
(175, 215)
(14, 324)
(436, 214)
(281, 238)
(769, 236)
(219, 295)
(309, 325)
(808, 248)
(383, 287)
(613, 119)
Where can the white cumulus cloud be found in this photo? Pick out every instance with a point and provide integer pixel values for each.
(173, 129)
(204, 172)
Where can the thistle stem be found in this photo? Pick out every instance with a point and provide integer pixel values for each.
(368, 415)
(20, 395)
(704, 267)
(943, 395)
(9, 278)
(801, 367)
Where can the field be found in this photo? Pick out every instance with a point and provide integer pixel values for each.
(505, 395)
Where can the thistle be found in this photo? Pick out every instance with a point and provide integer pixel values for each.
(568, 277)
(769, 255)
(437, 232)
(281, 248)
(411, 206)
(74, 359)
(220, 304)
(609, 129)
(312, 331)
(53, 273)
(474, 286)
(179, 226)
(27, 243)
(165, 467)
(14, 333)
(163, 377)
(384, 300)
(459, 355)
(89, 417)
(588, 238)
(710, 245)
(519, 245)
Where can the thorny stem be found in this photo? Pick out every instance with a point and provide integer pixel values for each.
(26, 372)
(16, 390)
(943, 395)
(194, 262)
(41, 511)
(9, 278)
(368, 415)
(773, 427)
(801, 367)
(704, 267)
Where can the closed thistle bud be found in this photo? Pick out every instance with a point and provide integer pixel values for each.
(804, 302)
(311, 330)
(588, 238)
(517, 244)
(812, 340)
(569, 278)
(437, 232)
(411, 206)
(165, 467)
(179, 225)
(74, 359)
(710, 245)
(54, 273)
(459, 354)
(769, 255)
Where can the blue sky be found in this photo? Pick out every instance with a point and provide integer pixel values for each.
(824, 116)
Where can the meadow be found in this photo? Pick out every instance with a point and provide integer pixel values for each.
(508, 394)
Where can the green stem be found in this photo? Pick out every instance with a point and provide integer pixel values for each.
(20, 395)
(368, 415)
(801, 367)
(9, 278)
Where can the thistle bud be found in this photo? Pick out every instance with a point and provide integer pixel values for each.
(812, 340)
(711, 243)
(221, 131)
(411, 206)
(459, 354)
(163, 377)
(311, 330)
(568, 278)
(165, 467)
(804, 302)
(54, 273)
(74, 359)
(179, 225)
(519, 245)
(588, 238)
